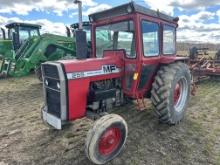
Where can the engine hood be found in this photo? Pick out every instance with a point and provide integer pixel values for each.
(109, 64)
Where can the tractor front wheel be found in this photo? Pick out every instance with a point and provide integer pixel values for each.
(171, 92)
(106, 139)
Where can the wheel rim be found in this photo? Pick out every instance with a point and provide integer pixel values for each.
(180, 94)
(109, 141)
(177, 93)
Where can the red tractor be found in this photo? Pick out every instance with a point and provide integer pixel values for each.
(133, 57)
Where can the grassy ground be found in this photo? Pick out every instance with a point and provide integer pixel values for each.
(24, 139)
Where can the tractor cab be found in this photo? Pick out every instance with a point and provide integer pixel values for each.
(20, 32)
(147, 38)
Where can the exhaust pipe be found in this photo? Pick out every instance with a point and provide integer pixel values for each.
(80, 36)
(79, 13)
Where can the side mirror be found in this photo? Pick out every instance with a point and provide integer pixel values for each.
(16, 42)
(81, 44)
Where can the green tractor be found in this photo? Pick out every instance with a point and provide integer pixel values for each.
(17, 33)
(25, 49)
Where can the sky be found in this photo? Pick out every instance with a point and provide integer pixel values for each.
(199, 19)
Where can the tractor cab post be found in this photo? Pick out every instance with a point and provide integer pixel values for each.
(2, 34)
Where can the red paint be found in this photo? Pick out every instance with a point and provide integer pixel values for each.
(177, 93)
(77, 92)
(109, 141)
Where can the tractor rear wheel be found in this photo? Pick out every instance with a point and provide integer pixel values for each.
(38, 73)
(106, 139)
(171, 91)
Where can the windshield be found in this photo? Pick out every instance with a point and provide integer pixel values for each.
(26, 33)
(1, 34)
(87, 29)
(10, 33)
(116, 36)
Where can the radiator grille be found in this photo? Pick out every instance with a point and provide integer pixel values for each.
(52, 89)
(50, 71)
(53, 102)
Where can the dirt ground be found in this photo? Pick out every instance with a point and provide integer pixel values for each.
(24, 139)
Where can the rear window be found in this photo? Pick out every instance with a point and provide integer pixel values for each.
(150, 34)
(169, 37)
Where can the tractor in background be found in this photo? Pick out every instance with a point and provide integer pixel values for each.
(12, 39)
(135, 59)
(25, 49)
(17, 34)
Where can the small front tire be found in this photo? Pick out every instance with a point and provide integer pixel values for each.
(106, 139)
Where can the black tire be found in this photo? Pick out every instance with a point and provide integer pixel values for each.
(38, 73)
(170, 80)
(94, 149)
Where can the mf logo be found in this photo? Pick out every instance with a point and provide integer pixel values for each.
(109, 68)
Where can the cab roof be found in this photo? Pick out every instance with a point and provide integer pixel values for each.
(13, 24)
(129, 8)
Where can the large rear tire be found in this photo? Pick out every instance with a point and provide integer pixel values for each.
(106, 139)
(171, 91)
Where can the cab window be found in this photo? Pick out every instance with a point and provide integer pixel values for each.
(150, 36)
(1, 35)
(34, 32)
(169, 36)
(24, 34)
(116, 36)
(10, 33)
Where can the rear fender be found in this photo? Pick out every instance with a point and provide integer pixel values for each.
(171, 59)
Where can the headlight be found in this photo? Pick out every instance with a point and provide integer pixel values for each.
(46, 82)
(58, 85)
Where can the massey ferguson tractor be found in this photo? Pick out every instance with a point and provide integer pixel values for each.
(137, 60)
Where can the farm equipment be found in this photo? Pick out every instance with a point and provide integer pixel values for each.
(18, 33)
(136, 59)
(33, 51)
(203, 65)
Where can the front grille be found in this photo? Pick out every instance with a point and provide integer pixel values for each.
(52, 89)
(53, 102)
(50, 71)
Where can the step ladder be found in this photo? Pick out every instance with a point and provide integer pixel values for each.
(5, 67)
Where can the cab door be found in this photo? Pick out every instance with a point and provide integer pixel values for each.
(127, 41)
(150, 35)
